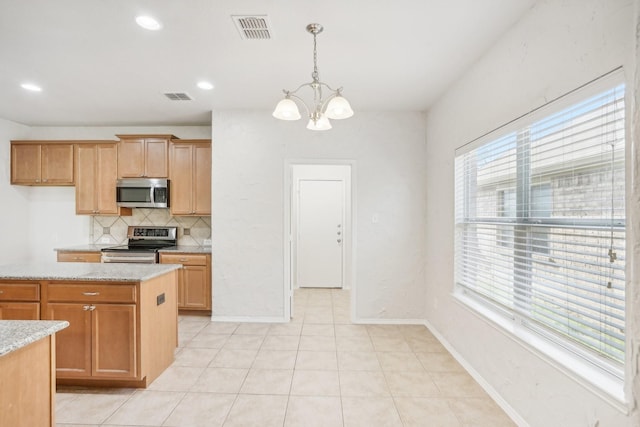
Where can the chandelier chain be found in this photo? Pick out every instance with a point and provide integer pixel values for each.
(315, 74)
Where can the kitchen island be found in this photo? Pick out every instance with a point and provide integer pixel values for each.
(122, 317)
(194, 278)
(27, 372)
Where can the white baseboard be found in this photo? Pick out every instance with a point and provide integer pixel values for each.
(497, 397)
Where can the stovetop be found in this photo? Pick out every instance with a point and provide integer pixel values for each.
(139, 248)
(145, 238)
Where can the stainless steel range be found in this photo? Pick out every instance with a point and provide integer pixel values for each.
(143, 245)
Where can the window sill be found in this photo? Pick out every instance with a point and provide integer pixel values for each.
(600, 382)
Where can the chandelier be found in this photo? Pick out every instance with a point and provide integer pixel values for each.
(334, 106)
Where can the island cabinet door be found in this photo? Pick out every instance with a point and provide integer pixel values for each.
(73, 344)
(114, 340)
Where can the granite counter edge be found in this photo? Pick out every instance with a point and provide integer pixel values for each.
(24, 332)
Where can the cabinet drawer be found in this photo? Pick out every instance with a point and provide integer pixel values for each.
(79, 256)
(184, 259)
(19, 292)
(92, 293)
(19, 311)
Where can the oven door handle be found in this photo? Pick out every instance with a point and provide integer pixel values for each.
(131, 259)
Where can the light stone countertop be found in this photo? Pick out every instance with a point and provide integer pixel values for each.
(15, 334)
(183, 249)
(85, 271)
(173, 249)
(85, 248)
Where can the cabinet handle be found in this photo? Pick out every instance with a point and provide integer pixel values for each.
(86, 307)
(183, 260)
(90, 294)
(93, 307)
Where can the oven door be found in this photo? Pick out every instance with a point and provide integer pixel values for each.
(130, 256)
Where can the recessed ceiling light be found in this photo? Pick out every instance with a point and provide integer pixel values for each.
(148, 23)
(205, 85)
(31, 87)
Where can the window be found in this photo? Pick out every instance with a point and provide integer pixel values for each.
(540, 223)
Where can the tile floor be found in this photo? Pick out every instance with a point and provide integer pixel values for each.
(318, 370)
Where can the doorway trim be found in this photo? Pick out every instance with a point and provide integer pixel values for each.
(350, 251)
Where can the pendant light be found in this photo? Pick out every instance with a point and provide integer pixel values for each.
(333, 106)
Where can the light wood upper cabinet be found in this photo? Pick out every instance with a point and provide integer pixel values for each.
(96, 175)
(143, 156)
(42, 163)
(190, 164)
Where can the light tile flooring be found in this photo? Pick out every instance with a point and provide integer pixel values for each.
(318, 370)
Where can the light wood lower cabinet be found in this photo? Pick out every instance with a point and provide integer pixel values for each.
(73, 352)
(79, 256)
(19, 301)
(119, 334)
(194, 280)
(19, 311)
(28, 391)
(100, 341)
(101, 338)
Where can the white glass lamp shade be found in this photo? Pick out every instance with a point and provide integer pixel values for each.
(322, 123)
(286, 110)
(339, 108)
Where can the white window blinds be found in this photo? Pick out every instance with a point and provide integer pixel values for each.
(540, 225)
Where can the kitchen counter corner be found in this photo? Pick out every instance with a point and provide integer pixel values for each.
(15, 334)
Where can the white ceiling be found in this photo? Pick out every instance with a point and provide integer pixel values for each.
(97, 67)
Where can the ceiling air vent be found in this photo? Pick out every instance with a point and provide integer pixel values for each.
(178, 96)
(255, 27)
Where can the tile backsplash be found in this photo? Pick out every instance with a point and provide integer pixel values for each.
(192, 230)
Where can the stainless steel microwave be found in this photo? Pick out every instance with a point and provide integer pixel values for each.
(142, 193)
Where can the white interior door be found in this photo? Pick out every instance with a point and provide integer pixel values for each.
(320, 234)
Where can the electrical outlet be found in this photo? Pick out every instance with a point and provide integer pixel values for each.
(104, 239)
(207, 242)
